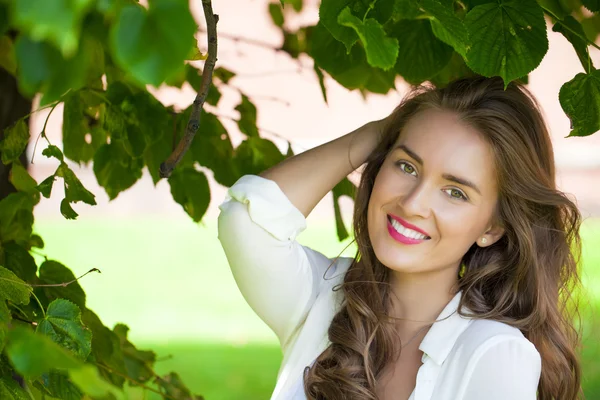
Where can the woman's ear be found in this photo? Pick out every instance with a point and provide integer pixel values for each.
(491, 235)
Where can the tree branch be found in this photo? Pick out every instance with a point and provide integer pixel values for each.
(64, 284)
(135, 381)
(192, 126)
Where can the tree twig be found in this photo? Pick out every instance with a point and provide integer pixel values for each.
(192, 126)
(135, 381)
(43, 132)
(65, 284)
(558, 20)
(238, 39)
(267, 131)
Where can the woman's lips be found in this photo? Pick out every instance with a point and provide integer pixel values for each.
(400, 237)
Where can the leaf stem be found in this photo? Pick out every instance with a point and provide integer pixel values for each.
(65, 284)
(39, 303)
(166, 168)
(43, 132)
(371, 6)
(585, 39)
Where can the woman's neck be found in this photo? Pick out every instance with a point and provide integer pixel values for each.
(420, 298)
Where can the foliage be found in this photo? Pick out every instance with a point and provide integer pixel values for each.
(97, 58)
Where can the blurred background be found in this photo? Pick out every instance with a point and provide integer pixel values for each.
(168, 278)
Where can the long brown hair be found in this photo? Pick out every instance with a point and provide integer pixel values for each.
(527, 279)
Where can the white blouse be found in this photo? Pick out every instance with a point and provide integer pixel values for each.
(289, 286)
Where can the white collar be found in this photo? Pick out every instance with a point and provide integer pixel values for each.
(443, 334)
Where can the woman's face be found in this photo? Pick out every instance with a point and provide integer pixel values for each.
(439, 179)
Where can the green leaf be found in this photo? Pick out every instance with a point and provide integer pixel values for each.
(42, 68)
(212, 148)
(152, 44)
(5, 17)
(8, 57)
(15, 140)
(74, 189)
(591, 27)
(508, 38)
(174, 387)
(213, 96)
(11, 390)
(247, 121)
(64, 326)
(21, 179)
(190, 189)
(380, 81)
(12, 288)
(276, 14)
(59, 386)
(343, 188)
(115, 170)
(255, 155)
(350, 70)
(80, 139)
(328, 16)
(66, 210)
(157, 153)
(223, 74)
(421, 55)
(446, 25)
(135, 118)
(580, 100)
(33, 354)
(578, 39)
(455, 69)
(194, 78)
(53, 151)
(292, 44)
(406, 9)
(56, 21)
(554, 7)
(592, 5)
(106, 349)
(139, 363)
(35, 241)
(45, 187)
(321, 78)
(16, 217)
(19, 261)
(53, 272)
(381, 50)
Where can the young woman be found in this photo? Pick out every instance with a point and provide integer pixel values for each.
(462, 285)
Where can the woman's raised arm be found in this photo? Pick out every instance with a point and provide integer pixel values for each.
(307, 177)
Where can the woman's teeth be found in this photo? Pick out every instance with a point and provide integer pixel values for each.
(409, 233)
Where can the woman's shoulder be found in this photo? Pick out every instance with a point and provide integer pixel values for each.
(489, 336)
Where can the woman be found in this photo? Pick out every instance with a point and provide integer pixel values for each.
(467, 256)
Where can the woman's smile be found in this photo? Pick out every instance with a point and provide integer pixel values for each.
(403, 234)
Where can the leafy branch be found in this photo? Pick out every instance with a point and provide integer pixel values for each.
(166, 168)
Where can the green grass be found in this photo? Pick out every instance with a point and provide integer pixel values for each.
(169, 281)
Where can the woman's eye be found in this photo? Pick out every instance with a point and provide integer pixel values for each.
(407, 168)
(456, 194)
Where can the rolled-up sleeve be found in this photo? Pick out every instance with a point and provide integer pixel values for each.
(278, 277)
(505, 367)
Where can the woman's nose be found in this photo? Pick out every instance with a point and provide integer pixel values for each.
(417, 201)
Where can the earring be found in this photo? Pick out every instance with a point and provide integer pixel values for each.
(483, 240)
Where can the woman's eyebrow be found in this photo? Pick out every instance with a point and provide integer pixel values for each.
(461, 181)
(448, 177)
(410, 153)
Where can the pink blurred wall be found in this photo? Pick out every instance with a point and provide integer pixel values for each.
(290, 105)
